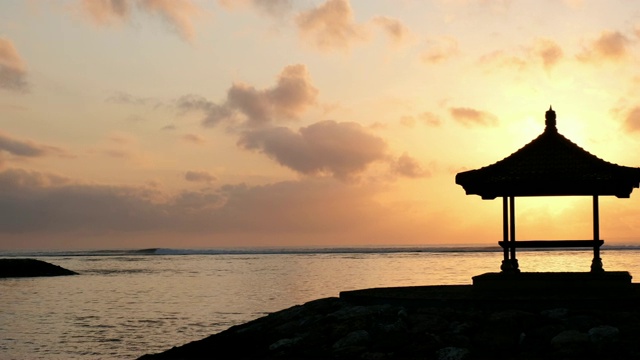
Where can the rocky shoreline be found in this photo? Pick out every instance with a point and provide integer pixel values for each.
(30, 268)
(467, 328)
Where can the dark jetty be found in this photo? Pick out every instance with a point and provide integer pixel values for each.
(30, 268)
(575, 316)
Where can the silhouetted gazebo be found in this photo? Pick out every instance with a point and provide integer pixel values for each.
(550, 165)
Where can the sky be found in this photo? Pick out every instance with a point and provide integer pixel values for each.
(235, 123)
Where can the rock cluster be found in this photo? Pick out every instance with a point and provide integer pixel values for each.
(335, 328)
(30, 268)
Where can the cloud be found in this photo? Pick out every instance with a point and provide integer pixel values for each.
(309, 206)
(327, 147)
(632, 119)
(398, 32)
(214, 113)
(271, 7)
(27, 148)
(427, 118)
(440, 50)
(178, 14)
(472, 117)
(121, 138)
(39, 203)
(609, 46)
(106, 12)
(119, 153)
(39, 210)
(430, 119)
(122, 146)
(502, 59)
(409, 167)
(408, 121)
(549, 52)
(542, 51)
(199, 176)
(293, 94)
(13, 69)
(331, 26)
(253, 103)
(13, 178)
(194, 139)
(128, 99)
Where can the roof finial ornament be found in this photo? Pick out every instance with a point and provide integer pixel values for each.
(550, 119)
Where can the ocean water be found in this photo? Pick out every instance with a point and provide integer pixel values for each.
(132, 302)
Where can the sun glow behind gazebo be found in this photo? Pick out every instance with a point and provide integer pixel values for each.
(550, 165)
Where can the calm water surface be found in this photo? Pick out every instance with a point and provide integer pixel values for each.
(127, 305)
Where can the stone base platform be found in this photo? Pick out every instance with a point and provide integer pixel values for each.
(554, 282)
(528, 291)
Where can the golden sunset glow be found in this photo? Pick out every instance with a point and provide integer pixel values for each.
(158, 123)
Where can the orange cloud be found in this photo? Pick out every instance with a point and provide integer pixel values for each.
(27, 148)
(119, 153)
(331, 26)
(427, 118)
(13, 69)
(121, 139)
(327, 147)
(106, 12)
(214, 113)
(199, 176)
(408, 121)
(543, 51)
(501, 59)
(440, 50)
(44, 204)
(128, 99)
(122, 146)
(430, 119)
(18, 178)
(407, 166)
(194, 139)
(549, 52)
(632, 120)
(178, 14)
(398, 32)
(472, 117)
(293, 94)
(271, 7)
(610, 45)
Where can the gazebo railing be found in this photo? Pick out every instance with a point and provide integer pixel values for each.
(532, 244)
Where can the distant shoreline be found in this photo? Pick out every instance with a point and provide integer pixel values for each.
(286, 250)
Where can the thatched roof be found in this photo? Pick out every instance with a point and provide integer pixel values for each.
(550, 165)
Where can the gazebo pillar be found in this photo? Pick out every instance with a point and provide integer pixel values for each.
(512, 230)
(506, 264)
(509, 263)
(596, 263)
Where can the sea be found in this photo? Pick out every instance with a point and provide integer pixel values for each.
(127, 303)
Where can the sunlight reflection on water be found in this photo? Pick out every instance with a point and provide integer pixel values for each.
(127, 306)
